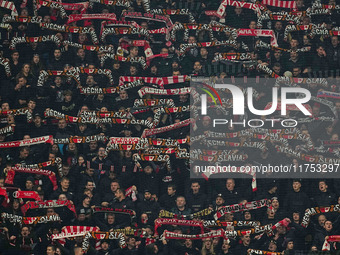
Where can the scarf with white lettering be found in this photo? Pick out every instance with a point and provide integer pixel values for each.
(109, 114)
(95, 120)
(29, 220)
(80, 139)
(165, 221)
(242, 144)
(184, 12)
(252, 6)
(96, 71)
(293, 81)
(317, 210)
(305, 157)
(153, 102)
(138, 60)
(72, 29)
(147, 16)
(46, 73)
(161, 81)
(22, 19)
(217, 223)
(122, 3)
(15, 112)
(167, 214)
(103, 235)
(7, 130)
(294, 17)
(97, 90)
(118, 143)
(103, 48)
(5, 64)
(185, 47)
(328, 94)
(56, 161)
(284, 16)
(74, 231)
(262, 45)
(267, 70)
(171, 127)
(101, 16)
(50, 174)
(232, 56)
(52, 5)
(262, 252)
(291, 28)
(48, 204)
(114, 210)
(28, 142)
(256, 230)
(324, 32)
(212, 234)
(38, 39)
(124, 31)
(166, 92)
(241, 207)
(26, 194)
(189, 26)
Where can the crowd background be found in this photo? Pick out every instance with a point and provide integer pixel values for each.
(90, 176)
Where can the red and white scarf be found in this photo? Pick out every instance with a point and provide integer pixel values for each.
(161, 81)
(9, 5)
(28, 142)
(281, 4)
(123, 3)
(48, 204)
(165, 92)
(26, 194)
(328, 94)
(74, 231)
(102, 16)
(50, 174)
(3, 192)
(326, 245)
(171, 127)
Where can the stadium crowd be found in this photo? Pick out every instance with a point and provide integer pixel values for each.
(91, 133)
